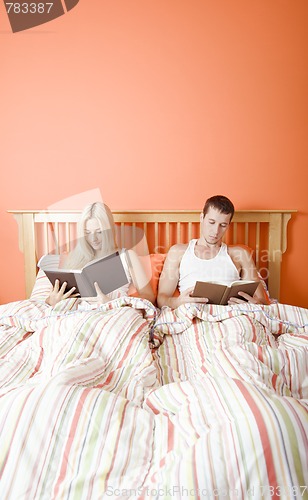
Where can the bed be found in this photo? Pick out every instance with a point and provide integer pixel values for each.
(129, 401)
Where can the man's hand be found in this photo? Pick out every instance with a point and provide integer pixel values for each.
(185, 297)
(57, 294)
(246, 298)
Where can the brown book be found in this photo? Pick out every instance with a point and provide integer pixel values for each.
(219, 293)
(108, 272)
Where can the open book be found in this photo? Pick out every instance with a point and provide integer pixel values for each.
(108, 272)
(220, 293)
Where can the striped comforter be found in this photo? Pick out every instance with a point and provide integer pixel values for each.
(89, 410)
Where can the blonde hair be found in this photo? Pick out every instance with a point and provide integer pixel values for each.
(83, 252)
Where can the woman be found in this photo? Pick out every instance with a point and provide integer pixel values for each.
(97, 238)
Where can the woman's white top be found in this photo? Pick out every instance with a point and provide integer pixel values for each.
(192, 268)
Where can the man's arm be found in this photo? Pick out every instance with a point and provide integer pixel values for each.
(169, 279)
(248, 272)
(139, 275)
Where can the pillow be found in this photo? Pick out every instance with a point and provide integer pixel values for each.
(42, 287)
(266, 295)
(157, 264)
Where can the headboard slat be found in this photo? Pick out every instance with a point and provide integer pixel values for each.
(167, 234)
(257, 252)
(234, 241)
(246, 233)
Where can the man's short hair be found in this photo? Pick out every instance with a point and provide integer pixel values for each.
(220, 203)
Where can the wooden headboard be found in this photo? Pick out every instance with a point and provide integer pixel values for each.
(265, 231)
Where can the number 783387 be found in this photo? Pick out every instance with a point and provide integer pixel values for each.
(28, 8)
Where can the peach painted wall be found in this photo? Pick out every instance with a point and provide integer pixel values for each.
(159, 104)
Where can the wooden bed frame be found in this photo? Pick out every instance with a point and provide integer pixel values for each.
(265, 231)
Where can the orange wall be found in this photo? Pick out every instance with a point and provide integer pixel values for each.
(159, 104)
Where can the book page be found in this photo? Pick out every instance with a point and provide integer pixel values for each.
(108, 272)
(247, 287)
(240, 282)
(220, 294)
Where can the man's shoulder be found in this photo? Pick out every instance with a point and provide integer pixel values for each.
(179, 247)
(239, 251)
(177, 250)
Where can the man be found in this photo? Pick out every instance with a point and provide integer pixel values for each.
(207, 259)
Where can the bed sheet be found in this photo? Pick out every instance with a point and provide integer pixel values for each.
(234, 389)
(89, 410)
(72, 384)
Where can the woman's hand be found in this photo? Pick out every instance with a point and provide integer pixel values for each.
(57, 294)
(100, 298)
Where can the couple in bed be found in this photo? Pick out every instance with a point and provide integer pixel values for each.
(206, 258)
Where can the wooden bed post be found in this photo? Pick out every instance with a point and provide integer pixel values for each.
(277, 246)
(26, 239)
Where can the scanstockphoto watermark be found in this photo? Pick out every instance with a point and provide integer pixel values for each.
(172, 491)
(257, 491)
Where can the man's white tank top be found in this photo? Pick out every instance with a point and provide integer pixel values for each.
(221, 268)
